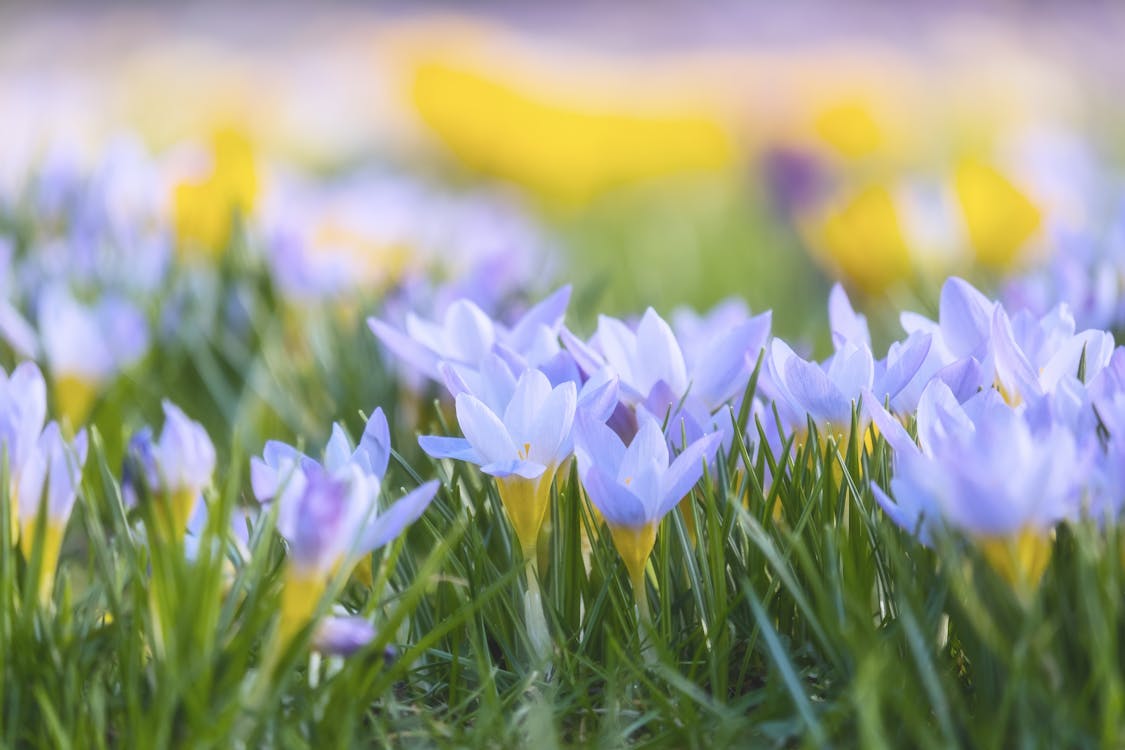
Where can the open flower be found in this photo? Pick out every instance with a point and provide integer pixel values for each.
(522, 446)
(86, 347)
(684, 379)
(634, 487)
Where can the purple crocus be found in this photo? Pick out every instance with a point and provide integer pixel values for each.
(635, 486)
(521, 441)
(466, 336)
(950, 478)
(328, 513)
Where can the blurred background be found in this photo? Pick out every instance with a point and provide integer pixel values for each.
(391, 159)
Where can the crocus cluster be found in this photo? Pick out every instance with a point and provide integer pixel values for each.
(620, 403)
(644, 411)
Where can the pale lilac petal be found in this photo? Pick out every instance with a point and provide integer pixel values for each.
(846, 324)
(342, 636)
(686, 470)
(903, 362)
(406, 349)
(523, 410)
(965, 316)
(374, 451)
(598, 395)
(815, 393)
(387, 525)
(588, 360)
(723, 370)
(469, 332)
(484, 430)
(596, 443)
(456, 448)
(553, 424)
(617, 504)
(851, 370)
(549, 314)
(338, 452)
(648, 444)
(658, 354)
(1013, 370)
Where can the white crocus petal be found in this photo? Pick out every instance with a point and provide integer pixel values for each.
(338, 452)
(484, 430)
(553, 424)
(520, 416)
(658, 354)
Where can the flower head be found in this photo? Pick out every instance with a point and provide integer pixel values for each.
(634, 487)
(170, 472)
(521, 444)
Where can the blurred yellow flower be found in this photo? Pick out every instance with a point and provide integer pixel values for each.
(564, 146)
(1021, 559)
(204, 210)
(999, 218)
(863, 240)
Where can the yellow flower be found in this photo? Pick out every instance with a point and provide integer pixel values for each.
(862, 238)
(565, 146)
(204, 210)
(1020, 559)
(999, 218)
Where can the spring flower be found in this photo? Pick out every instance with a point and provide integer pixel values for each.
(521, 445)
(170, 472)
(976, 343)
(826, 392)
(328, 525)
(950, 478)
(654, 372)
(56, 468)
(1086, 270)
(44, 470)
(634, 487)
(329, 513)
(87, 346)
(466, 336)
(23, 410)
(206, 207)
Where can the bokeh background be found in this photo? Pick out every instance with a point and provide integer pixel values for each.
(391, 159)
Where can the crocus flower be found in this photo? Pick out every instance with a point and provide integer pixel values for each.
(634, 487)
(826, 392)
(170, 472)
(23, 409)
(522, 445)
(466, 336)
(328, 525)
(950, 478)
(87, 346)
(655, 373)
(50, 481)
(329, 513)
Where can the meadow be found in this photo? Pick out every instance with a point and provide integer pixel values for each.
(562, 404)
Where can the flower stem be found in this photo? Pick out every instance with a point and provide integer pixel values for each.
(538, 634)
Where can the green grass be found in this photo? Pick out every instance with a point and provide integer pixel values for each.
(787, 610)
